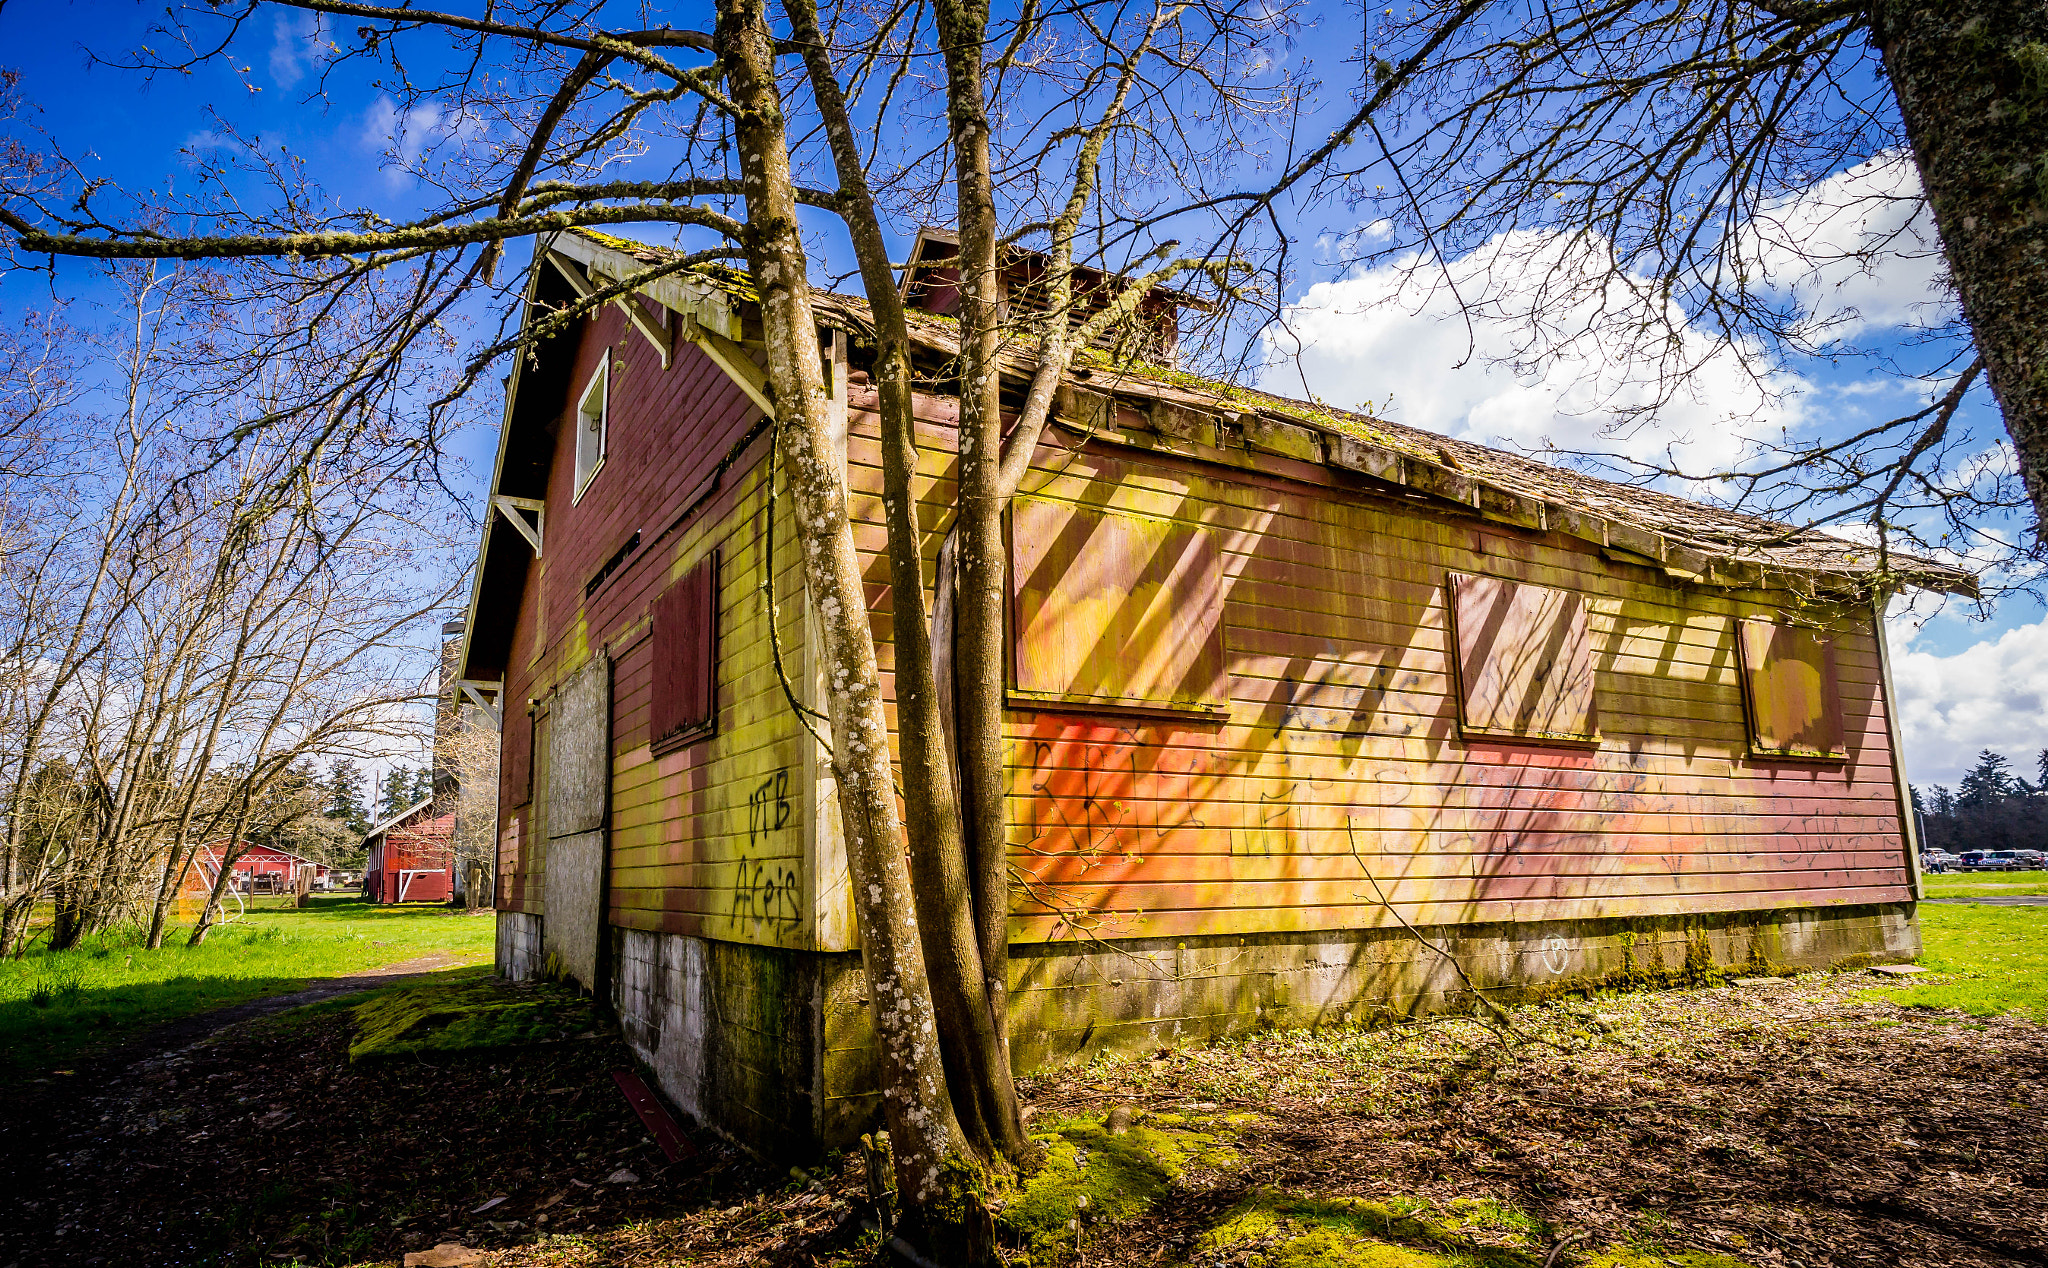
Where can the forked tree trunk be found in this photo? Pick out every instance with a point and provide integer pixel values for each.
(924, 1133)
(972, 1040)
(980, 649)
(1971, 77)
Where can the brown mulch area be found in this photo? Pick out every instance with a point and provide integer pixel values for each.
(1791, 1124)
(1795, 1124)
(266, 1146)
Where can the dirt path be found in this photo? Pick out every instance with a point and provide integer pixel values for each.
(1998, 900)
(40, 1118)
(186, 1031)
(266, 1147)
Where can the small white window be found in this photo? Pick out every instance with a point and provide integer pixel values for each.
(590, 423)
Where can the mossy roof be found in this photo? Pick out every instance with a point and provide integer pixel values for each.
(1688, 537)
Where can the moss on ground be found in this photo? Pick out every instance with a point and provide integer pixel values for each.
(1275, 1229)
(467, 1015)
(1297, 1231)
(1092, 1173)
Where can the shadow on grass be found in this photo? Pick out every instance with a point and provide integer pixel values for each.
(56, 1007)
(40, 1032)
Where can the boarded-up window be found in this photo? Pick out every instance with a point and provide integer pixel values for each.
(685, 688)
(1115, 609)
(1525, 662)
(1789, 685)
(517, 757)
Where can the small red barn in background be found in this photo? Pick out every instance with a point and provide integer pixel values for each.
(411, 857)
(262, 868)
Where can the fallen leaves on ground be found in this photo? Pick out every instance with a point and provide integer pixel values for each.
(1798, 1123)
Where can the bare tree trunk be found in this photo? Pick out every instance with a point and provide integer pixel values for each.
(1971, 77)
(924, 1132)
(980, 646)
(973, 1045)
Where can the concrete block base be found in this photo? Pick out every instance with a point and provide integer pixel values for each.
(519, 946)
(773, 1048)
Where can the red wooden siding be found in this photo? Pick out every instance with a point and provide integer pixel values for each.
(1342, 761)
(1793, 691)
(1525, 662)
(515, 776)
(1286, 713)
(413, 861)
(706, 836)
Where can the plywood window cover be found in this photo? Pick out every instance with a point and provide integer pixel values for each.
(1484, 694)
(1027, 687)
(522, 785)
(688, 733)
(1762, 644)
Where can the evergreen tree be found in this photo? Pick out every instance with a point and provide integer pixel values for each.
(2041, 771)
(397, 792)
(1918, 804)
(345, 796)
(422, 784)
(1987, 782)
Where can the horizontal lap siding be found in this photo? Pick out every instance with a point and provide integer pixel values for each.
(707, 839)
(689, 849)
(1341, 764)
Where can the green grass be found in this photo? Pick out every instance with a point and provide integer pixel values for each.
(56, 1006)
(1997, 959)
(1983, 884)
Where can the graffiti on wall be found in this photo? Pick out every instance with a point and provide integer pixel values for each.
(768, 892)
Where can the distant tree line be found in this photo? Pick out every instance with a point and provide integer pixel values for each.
(1992, 808)
(198, 639)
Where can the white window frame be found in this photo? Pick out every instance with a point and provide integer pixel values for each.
(600, 382)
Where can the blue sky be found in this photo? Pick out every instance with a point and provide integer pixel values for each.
(1964, 683)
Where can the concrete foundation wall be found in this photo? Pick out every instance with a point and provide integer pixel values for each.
(737, 1037)
(1069, 1001)
(519, 942)
(773, 1048)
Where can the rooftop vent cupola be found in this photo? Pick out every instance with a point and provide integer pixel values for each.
(931, 283)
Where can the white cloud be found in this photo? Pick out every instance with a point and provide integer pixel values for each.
(1857, 251)
(406, 137)
(295, 47)
(1991, 695)
(1393, 340)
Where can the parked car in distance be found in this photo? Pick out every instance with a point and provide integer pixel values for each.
(2033, 859)
(1938, 861)
(1981, 861)
(2015, 860)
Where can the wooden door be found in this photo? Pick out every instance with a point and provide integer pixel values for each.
(578, 792)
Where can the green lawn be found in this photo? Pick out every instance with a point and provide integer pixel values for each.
(1994, 960)
(1983, 884)
(57, 1006)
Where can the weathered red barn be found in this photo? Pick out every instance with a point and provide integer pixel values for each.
(1284, 677)
(411, 857)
